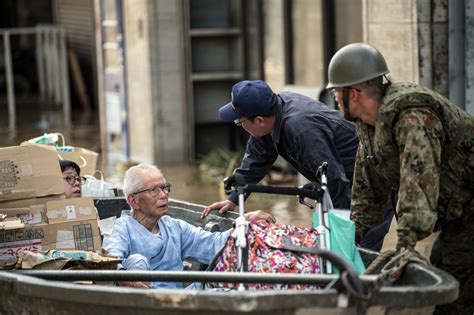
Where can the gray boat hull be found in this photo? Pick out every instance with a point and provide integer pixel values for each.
(417, 292)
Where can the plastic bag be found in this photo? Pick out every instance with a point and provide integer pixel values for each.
(342, 239)
(86, 159)
(98, 188)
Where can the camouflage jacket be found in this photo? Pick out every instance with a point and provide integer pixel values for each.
(423, 146)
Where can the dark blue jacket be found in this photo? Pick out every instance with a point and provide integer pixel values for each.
(306, 133)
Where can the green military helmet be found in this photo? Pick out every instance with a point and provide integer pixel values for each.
(355, 63)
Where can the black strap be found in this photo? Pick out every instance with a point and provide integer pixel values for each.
(213, 262)
(300, 249)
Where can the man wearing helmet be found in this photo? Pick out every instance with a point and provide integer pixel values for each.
(415, 141)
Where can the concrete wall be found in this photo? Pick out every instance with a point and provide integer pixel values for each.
(140, 105)
(469, 63)
(413, 37)
(425, 43)
(158, 114)
(440, 48)
(307, 43)
(307, 38)
(348, 22)
(274, 58)
(391, 26)
(461, 53)
(432, 32)
(172, 128)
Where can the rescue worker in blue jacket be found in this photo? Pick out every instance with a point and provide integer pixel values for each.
(303, 131)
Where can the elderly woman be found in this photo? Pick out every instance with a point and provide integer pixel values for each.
(72, 179)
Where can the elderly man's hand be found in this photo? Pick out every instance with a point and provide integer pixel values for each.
(134, 284)
(260, 215)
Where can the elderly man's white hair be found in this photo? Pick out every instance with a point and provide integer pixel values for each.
(132, 181)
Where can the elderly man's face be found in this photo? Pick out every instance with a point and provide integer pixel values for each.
(152, 199)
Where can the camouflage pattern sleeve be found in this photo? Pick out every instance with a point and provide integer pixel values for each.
(419, 135)
(367, 196)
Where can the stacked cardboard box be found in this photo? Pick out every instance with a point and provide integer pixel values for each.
(29, 171)
(72, 224)
(32, 192)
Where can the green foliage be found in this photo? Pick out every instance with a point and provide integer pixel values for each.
(218, 164)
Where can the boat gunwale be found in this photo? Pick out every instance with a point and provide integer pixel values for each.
(442, 288)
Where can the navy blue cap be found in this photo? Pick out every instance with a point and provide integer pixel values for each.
(249, 99)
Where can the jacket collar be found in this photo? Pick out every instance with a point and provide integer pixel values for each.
(278, 120)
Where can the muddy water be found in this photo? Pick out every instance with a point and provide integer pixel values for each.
(188, 186)
(34, 120)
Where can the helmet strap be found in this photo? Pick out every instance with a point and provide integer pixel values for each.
(345, 101)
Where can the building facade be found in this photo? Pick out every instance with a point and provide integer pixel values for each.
(181, 58)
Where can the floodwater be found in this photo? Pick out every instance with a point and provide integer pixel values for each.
(188, 186)
(35, 119)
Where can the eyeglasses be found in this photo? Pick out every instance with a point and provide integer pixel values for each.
(71, 180)
(155, 191)
(333, 91)
(239, 122)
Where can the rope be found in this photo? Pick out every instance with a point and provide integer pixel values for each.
(378, 262)
(350, 288)
(392, 270)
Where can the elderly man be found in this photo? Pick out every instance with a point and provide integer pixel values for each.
(417, 142)
(148, 239)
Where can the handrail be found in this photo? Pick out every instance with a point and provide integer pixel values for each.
(51, 62)
(188, 276)
(352, 285)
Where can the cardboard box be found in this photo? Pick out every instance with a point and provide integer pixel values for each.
(29, 171)
(11, 224)
(56, 260)
(72, 209)
(86, 159)
(14, 241)
(80, 235)
(72, 225)
(30, 215)
(30, 211)
(28, 202)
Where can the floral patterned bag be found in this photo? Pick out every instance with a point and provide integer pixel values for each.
(267, 252)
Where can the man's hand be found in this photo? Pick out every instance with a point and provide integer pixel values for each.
(260, 215)
(229, 183)
(222, 206)
(134, 284)
(400, 258)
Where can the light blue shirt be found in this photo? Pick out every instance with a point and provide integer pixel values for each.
(166, 250)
